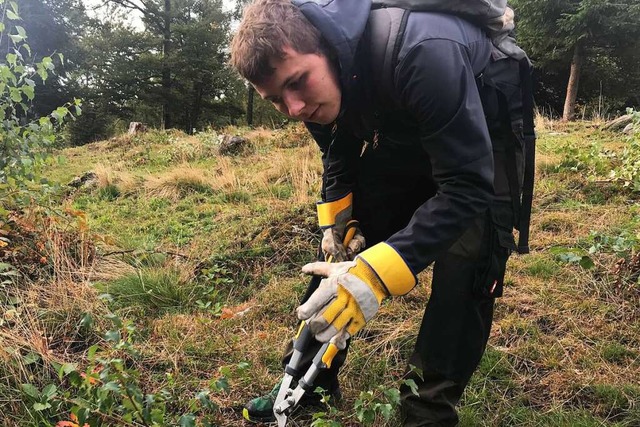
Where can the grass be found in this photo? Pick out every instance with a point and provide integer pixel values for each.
(154, 289)
(173, 225)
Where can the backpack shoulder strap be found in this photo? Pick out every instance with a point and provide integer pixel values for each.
(386, 29)
(529, 137)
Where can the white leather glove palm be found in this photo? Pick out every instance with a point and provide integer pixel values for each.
(345, 301)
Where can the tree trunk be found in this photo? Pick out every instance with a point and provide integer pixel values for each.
(166, 71)
(197, 108)
(250, 105)
(572, 87)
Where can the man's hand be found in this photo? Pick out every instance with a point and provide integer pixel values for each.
(334, 218)
(349, 297)
(332, 244)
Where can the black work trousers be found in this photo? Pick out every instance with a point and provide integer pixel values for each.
(456, 322)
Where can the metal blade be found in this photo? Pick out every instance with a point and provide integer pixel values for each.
(290, 401)
(282, 420)
(296, 395)
(284, 391)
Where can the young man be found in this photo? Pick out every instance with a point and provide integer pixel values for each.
(413, 163)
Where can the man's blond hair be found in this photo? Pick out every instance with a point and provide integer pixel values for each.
(267, 27)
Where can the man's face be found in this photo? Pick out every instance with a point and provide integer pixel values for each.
(303, 86)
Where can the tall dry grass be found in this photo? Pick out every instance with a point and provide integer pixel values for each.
(42, 316)
(544, 122)
(303, 175)
(226, 176)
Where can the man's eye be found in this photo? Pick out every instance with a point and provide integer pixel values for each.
(295, 85)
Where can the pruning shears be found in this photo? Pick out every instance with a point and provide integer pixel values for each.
(289, 397)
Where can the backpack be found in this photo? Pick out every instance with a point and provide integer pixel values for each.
(506, 83)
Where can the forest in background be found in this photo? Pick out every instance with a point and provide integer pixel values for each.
(169, 70)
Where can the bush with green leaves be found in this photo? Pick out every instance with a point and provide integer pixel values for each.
(594, 161)
(25, 141)
(109, 390)
(597, 163)
(627, 170)
(613, 257)
(623, 245)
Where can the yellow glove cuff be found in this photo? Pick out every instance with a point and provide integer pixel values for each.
(363, 272)
(389, 267)
(330, 213)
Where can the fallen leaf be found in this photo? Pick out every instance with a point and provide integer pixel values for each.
(238, 311)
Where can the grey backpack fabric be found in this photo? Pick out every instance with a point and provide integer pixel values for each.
(495, 17)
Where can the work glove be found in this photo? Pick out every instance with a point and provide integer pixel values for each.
(333, 218)
(351, 293)
(332, 244)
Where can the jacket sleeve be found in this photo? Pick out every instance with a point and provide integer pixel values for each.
(338, 160)
(435, 81)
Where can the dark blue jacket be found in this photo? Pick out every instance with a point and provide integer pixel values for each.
(434, 127)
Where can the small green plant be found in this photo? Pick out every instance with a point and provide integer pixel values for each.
(577, 256)
(379, 404)
(7, 272)
(623, 245)
(214, 279)
(326, 418)
(371, 405)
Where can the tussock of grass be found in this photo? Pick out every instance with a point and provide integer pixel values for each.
(119, 141)
(225, 176)
(291, 136)
(543, 122)
(179, 182)
(55, 304)
(305, 175)
(108, 268)
(260, 138)
(116, 179)
(153, 290)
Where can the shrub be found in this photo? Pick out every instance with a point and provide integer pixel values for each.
(26, 142)
(627, 171)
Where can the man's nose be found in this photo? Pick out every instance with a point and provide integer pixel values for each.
(295, 105)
